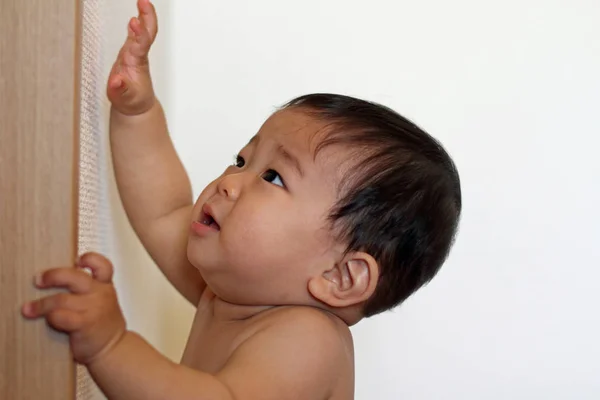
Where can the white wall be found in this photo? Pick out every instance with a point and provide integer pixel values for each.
(511, 88)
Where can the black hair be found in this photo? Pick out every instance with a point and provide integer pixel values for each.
(401, 202)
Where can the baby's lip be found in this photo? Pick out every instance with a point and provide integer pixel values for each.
(207, 215)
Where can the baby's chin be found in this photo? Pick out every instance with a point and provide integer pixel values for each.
(193, 258)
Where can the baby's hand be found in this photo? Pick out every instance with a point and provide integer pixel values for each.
(90, 313)
(129, 85)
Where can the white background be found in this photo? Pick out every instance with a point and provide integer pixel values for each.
(510, 88)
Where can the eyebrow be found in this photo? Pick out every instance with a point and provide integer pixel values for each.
(288, 157)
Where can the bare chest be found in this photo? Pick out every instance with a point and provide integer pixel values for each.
(212, 341)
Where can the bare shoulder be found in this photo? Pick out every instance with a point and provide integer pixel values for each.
(314, 331)
(298, 353)
(297, 319)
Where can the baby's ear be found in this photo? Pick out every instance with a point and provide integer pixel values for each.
(350, 282)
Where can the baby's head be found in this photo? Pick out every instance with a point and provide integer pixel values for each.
(336, 203)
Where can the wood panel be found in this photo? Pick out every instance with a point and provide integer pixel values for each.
(38, 192)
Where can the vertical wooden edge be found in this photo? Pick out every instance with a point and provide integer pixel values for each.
(76, 121)
(40, 80)
(77, 42)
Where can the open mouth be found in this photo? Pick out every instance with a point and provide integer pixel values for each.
(208, 220)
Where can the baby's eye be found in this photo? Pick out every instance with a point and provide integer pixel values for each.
(273, 177)
(239, 161)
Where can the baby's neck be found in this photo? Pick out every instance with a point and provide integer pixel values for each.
(228, 312)
(224, 311)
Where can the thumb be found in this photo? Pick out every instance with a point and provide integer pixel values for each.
(101, 267)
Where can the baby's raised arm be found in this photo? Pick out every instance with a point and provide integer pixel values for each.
(152, 182)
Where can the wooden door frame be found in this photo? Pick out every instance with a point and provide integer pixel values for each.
(39, 154)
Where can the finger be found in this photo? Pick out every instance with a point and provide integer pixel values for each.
(116, 82)
(73, 279)
(65, 320)
(118, 85)
(141, 39)
(46, 305)
(148, 17)
(101, 267)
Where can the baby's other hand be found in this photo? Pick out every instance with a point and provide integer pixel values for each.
(129, 85)
(89, 313)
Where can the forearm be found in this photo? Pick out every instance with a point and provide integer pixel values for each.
(134, 370)
(151, 179)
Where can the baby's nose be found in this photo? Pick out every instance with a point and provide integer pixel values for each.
(231, 185)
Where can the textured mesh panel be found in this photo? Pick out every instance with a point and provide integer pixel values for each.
(93, 192)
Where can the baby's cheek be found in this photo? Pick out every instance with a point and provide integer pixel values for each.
(256, 240)
(241, 236)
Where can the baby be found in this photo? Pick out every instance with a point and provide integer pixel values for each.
(336, 210)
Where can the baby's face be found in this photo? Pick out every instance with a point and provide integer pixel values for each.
(271, 233)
